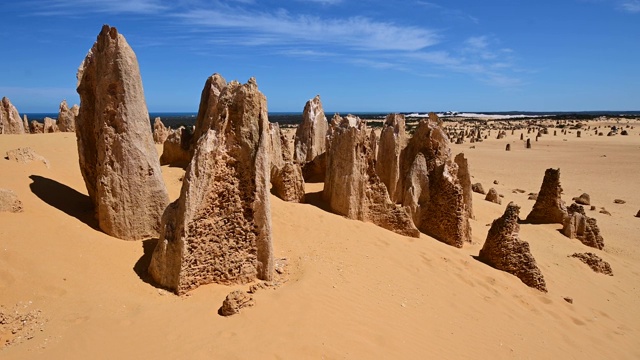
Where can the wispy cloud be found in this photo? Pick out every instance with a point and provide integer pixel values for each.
(354, 32)
(101, 6)
(631, 6)
(449, 12)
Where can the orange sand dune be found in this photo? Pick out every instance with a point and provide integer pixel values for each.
(354, 290)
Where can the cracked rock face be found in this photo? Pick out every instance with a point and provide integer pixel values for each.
(504, 250)
(219, 229)
(577, 225)
(549, 207)
(10, 121)
(311, 141)
(118, 160)
(352, 188)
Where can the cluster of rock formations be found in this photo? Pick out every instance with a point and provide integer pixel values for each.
(11, 123)
(577, 225)
(118, 159)
(504, 250)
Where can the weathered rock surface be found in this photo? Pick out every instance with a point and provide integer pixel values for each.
(441, 212)
(67, 117)
(577, 225)
(36, 127)
(10, 121)
(286, 176)
(160, 132)
(234, 302)
(549, 207)
(595, 262)
(493, 196)
(175, 149)
(583, 199)
(504, 250)
(25, 122)
(310, 142)
(464, 178)
(477, 188)
(208, 107)
(393, 139)
(352, 188)
(219, 229)
(9, 201)
(118, 160)
(26, 155)
(50, 126)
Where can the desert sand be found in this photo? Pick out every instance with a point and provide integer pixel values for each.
(353, 289)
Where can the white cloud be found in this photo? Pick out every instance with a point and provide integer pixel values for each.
(102, 6)
(631, 6)
(355, 32)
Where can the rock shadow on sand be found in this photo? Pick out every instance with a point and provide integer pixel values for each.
(142, 265)
(65, 199)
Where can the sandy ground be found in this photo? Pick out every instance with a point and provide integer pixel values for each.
(355, 291)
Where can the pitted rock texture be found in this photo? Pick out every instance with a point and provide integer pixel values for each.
(160, 132)
(9, 201)
(441, 212)
(477, 188)
(549, 207)
(352, 188)
(219, 229)
(595, 262)
(175, 149)
(67, 117)
(310, 144)
(36, 127)
(118, 160)
(504, 250)
(286, 176)
(234, 302)
(577, 225)
(10, 121)
(393, 139)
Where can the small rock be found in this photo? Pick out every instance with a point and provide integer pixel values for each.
(583, 199)
(26, 155)
(568, 299)
(638, 214)
(604, 211)
(619, 201)
(235, 301)
(520, 191)
(477, 187)
(493, 196)
(593, 207)
(495, 182)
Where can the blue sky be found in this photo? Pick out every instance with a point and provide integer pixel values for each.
(366, 55)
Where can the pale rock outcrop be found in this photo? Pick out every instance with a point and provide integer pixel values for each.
(26, 155)
(67, 117)
(25, 122)
(36, 127)
(219, 229)
(493, 196)
(549, 207)
(577, 225)
(595, 262)
(504, 250)
(175, 148)
(118, 160)
(234, 302)
(9, 201)
(393, 139)
(286, 176)
(160, 132)
(310, 144)
(464, 177)
(50, 126)
(209, 96)
(10, 121)
(441, 212)
(352, 188)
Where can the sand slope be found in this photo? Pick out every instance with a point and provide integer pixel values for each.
(354, 290)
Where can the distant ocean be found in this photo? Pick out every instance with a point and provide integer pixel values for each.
(176, 119)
